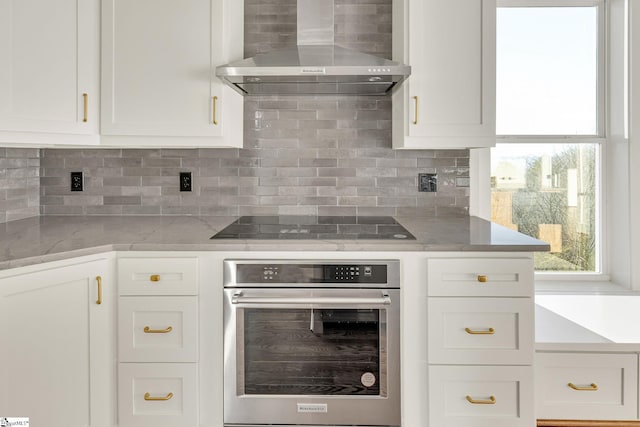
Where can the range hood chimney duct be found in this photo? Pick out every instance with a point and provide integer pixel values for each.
(316, 66)
(315, 22)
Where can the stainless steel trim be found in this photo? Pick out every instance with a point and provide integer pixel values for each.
(239, 299)
(393, 273)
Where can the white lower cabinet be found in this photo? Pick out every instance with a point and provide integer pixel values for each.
(158, 318)
(480, 340)
(158, 394)
(56, 328)
(481, 396)
(586, 386)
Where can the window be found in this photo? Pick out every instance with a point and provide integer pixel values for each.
(549, 119)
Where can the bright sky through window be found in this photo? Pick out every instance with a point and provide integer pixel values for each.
(547, 71)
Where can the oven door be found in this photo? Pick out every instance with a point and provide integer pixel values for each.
(312, 357)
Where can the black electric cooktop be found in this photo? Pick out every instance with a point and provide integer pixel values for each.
(315, 227)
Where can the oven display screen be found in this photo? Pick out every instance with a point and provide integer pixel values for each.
(312, 352)
(311, 273)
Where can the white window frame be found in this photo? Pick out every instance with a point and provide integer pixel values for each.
(615, 265)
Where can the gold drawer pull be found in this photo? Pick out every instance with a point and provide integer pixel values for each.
(99, 280)
(490, 401)
(155, 278)
(415, 117)
(215, 110)
(148, 330)
(483, 279)
(85, 109)
(590, 387)
(489, 331)
(147, 396)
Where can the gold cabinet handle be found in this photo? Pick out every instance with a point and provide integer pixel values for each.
(490, 401)
(489, 331)
(148, 330)
(85, 98)
(215, 110)
(154, 277)
(415, 117)
(147, 396)
(483, 279)
(590, 387)
(99, 280)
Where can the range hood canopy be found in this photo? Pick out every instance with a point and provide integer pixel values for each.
(315, 66)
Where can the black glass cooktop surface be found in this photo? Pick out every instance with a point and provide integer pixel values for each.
(315, 227)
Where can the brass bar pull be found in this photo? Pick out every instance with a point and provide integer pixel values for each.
(147, 396)
(590, 387)
(154, 277)
(148, 330)
(483, 279)
(215, 110)
(490, 401)
(99, 280)
(415, 117)
(85, 98)
(489, 331)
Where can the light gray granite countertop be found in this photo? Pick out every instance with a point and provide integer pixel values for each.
(50, 238)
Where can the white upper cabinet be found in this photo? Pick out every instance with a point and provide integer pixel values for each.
(49, 85)
(449, 100)
(158, 72)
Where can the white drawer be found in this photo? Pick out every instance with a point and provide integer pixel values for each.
(158, 329)
(157, 395)
(158, 276)
(480, 277)
(614, 376)
(501, 396)
(486, 331)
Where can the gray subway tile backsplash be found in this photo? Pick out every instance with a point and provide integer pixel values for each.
(324, 155)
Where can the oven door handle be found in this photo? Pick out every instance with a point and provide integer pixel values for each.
(385, 299)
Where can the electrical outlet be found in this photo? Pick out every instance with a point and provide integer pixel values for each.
(77, 181)
(185, 181)
(428, 182)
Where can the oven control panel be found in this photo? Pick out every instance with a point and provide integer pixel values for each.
(309, 273)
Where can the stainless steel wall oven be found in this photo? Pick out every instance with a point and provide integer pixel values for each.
(311, 343)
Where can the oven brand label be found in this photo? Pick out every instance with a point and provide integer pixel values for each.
(312, 408)
(368, 379)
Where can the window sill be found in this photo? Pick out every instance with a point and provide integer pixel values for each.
(560, 287)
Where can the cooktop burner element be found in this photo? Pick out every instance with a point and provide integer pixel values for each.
(315, 227)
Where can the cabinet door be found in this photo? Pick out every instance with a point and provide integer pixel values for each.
(157, 75)
(49, 56)
(56, 362)
(449, 100)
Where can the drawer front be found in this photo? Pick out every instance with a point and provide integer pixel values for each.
(157, 395)
(607, 386)
(480, 277)
(486, 331)
(481, 396)
(158, 329)
(158, 276)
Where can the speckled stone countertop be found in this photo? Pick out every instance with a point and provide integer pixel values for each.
(50, 238)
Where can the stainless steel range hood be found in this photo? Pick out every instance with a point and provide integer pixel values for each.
(315, 66)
